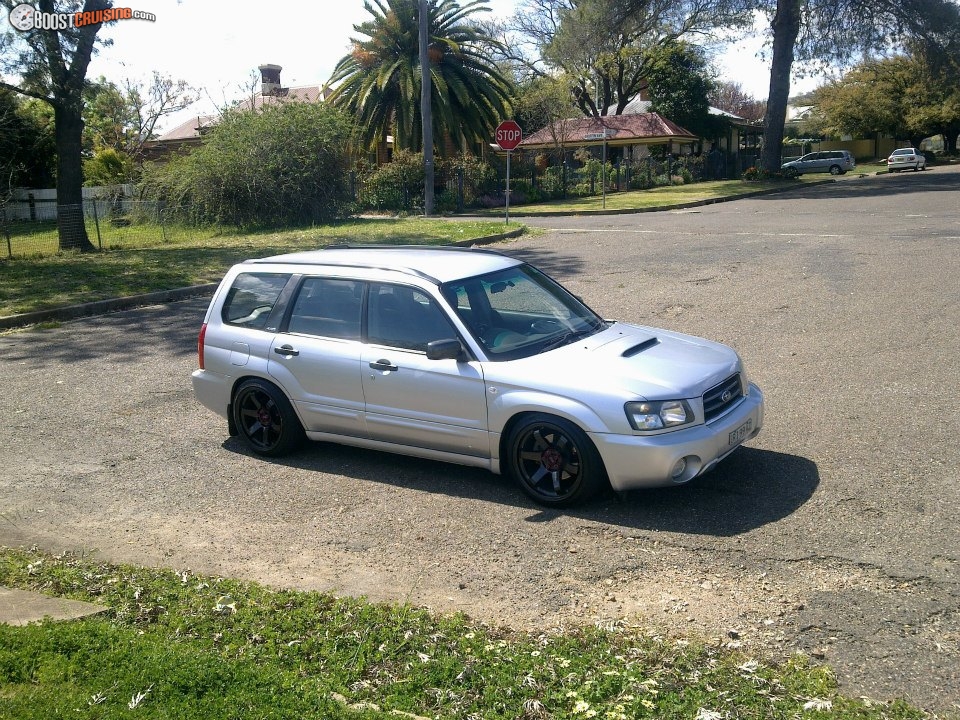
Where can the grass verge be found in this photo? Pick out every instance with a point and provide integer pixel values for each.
(137, 266)
(179, 645)
(657, 197)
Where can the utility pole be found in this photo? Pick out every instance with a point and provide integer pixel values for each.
(426, 109)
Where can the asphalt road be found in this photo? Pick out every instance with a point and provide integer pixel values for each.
(834, 532)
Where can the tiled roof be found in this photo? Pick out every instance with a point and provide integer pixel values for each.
(193, 128)
(620, 129)
(638, 105)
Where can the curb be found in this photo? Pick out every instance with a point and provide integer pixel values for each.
(102, 307)
(661, 208)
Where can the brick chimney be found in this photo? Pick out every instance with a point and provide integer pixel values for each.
(270, 79)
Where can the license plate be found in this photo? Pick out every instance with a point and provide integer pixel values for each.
(740, 434)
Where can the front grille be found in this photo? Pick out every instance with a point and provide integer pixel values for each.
(720, 398)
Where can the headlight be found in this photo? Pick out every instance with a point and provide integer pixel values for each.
(658, 415)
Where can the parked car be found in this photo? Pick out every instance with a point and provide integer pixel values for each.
(906, 159)
(835, 162)
(466, 356)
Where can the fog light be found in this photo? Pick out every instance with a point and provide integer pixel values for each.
(678, 469)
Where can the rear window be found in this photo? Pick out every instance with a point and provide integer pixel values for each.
(251, 299)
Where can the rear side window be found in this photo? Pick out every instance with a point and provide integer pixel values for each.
(251, 299)
(328, 307)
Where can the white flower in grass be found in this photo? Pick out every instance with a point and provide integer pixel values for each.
(818, 704)
(424, 658)
(138, 698)
(581, 707)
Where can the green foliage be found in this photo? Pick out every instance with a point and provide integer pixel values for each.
(396, 186)
(904, 96)
(27, 145)
(379, 81)
(189, 646)
(679, 87)
(754, 174)
(284, 165)
(108, 167)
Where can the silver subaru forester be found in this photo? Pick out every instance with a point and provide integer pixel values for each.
(471, 357)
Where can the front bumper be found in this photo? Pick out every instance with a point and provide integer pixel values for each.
(645, 461)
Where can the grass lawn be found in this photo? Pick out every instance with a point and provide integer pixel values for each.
(657, 197)
(141, 264)
(179, 645)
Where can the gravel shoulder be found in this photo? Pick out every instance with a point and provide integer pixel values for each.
(833, 533)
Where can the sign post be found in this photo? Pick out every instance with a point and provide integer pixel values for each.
(508, 136)
(603, 174)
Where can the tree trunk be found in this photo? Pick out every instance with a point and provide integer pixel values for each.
(786, 27)
(69, 129)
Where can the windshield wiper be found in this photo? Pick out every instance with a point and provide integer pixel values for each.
(567, 338)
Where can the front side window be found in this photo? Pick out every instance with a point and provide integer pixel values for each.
(327, 307)
(520, 312)
(405, 317)
(251, 299)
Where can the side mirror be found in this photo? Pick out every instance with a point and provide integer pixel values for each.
(444, 350)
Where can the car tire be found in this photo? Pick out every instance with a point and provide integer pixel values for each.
(554, 461)
(265, 419)
(836, 170)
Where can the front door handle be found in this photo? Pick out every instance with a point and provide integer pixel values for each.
(384, 365)
(286, 351)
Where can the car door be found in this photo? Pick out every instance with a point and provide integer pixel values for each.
(316, 355)
(410, 399)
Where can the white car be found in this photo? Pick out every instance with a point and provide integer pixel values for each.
(906, 159)
(466, 356)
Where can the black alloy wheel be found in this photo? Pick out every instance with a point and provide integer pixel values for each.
(265, 418)
(554, 461)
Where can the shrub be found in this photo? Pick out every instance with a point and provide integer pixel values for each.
(283, 165)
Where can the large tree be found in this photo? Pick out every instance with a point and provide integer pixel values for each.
(731, 96)
(605, 47)
(119, 119)
(680, 84)
(379, 81)
(839, 32)
(901, 96)
(52, 67)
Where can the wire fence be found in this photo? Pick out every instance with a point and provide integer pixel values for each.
(36, 225)
(52, 228)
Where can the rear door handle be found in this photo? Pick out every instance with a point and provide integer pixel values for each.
(286, 351)
(384, 365)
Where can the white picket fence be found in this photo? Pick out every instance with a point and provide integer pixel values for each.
(38, 205)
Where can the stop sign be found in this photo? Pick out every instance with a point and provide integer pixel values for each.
(508, 135)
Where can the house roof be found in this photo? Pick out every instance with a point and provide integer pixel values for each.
(193, 128)
(637, 106)
(621, 129)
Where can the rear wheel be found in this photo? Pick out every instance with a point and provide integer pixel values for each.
(836, 170)
(554, 461)
(265, 418)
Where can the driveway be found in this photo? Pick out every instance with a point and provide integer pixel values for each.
(834, 532)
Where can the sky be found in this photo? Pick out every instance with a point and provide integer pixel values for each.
(215, 46)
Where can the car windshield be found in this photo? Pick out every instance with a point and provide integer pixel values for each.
(519, 312)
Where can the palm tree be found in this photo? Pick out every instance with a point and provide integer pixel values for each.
(380, 78)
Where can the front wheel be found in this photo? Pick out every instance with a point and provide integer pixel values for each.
(265, 418)
(554, 461)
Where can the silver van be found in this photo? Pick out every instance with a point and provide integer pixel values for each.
(835, 162)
